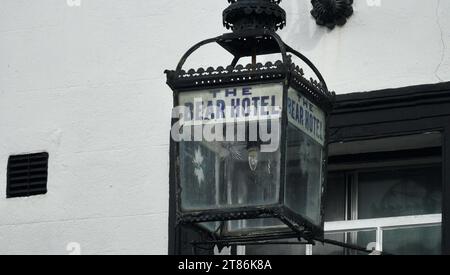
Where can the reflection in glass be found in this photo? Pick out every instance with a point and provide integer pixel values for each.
(335, 198)
(402, 192)
(303, 175)
(413, 241)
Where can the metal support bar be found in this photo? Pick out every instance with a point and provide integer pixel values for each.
(192, 50)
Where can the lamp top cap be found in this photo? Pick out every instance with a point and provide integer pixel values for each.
(244, 15)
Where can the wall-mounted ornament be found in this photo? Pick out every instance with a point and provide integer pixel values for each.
(330, 13)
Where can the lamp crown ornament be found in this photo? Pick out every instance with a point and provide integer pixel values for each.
(244, 15)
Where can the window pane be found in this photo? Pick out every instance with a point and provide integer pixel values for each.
(413, 241)
(304, 175)
(362, 239)
(401, 192)
(365, 239)
(328, 249)
(335, 198)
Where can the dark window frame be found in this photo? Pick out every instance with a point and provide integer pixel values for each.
(399, 112)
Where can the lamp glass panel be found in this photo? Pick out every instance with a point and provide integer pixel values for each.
(217, 175)
(304, 157)
(223, 161)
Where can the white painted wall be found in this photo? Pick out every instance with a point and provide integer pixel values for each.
(86, 84)
(397, 43)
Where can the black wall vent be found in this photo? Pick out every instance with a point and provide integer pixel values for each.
(27, 175)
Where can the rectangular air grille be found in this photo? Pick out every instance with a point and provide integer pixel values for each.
(27, 175)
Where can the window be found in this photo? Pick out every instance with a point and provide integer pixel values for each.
(396, 209)
(383, 194)
(27, 175)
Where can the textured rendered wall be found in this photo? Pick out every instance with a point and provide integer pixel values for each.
(86, 84)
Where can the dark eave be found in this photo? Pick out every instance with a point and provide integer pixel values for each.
(391, 98)
(391, 111)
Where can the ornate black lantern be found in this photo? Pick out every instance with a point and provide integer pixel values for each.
(240, 184)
